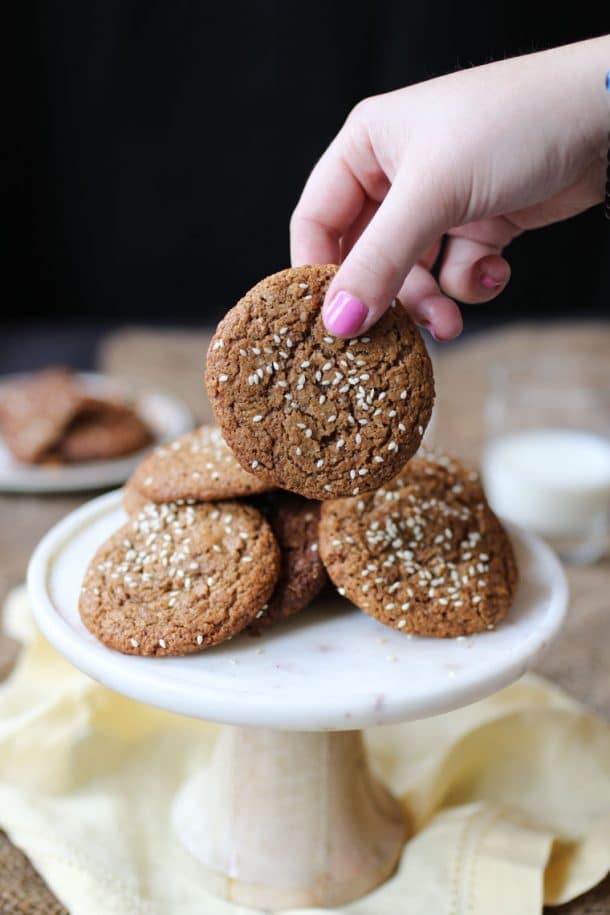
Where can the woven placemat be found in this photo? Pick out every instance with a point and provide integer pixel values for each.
(577, 661)
(22, 890)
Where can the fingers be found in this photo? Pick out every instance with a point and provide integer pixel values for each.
(428, 307)
(473, 270)
(344, 179)
(470, 273)
(404, 227)
(354, 232)
(329, 204)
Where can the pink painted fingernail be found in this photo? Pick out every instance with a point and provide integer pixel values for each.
(345, 315)
(430, 328)
(489, 282)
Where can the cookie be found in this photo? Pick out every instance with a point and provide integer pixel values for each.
(294, 521)
(178, 579)
(197, 466)
(317, 415)
(102, 431)
(133, 501)
(426, 555)
(36, 410)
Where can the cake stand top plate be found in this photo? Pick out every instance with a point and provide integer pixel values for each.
(330, 668)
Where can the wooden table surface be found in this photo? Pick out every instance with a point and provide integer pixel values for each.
(578, 661)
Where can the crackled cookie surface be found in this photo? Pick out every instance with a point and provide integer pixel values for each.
(315, 414)
(197, 466)
(425, 555)
(178, 579)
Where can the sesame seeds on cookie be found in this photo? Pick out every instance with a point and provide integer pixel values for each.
(178, 579)
(425, 555)
(315, 414)
(198, 466)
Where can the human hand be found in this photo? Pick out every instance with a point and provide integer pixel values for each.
(479, 156)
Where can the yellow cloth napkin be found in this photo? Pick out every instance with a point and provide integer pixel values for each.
(509, 797)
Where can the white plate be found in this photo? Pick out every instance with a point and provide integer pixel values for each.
(167, 416)
(331, 667)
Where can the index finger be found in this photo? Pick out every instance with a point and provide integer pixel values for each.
(331, 201)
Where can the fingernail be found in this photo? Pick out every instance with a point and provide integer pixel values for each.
(489, 282)
(427, 325)
(345, 315)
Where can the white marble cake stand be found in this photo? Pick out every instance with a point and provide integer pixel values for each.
(288, 814)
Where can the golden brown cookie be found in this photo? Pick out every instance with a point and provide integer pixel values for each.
(178, 579)
(294, 522)
(197, 466)
(317, 415)
(101, 431)
(133, 501)
(425, 555)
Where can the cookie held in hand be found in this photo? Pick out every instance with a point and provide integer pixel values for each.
(315, 414)
(425, 555)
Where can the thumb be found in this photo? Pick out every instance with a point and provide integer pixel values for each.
(410, 219)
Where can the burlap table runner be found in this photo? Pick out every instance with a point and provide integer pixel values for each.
(578, 661)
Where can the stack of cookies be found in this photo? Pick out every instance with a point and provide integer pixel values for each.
(311, 472)
(209, 550)
(48, 417)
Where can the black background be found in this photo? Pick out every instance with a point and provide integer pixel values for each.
(155, 150)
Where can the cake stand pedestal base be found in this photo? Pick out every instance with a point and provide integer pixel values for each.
(288, 819)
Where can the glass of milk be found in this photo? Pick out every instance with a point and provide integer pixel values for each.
(546, 464)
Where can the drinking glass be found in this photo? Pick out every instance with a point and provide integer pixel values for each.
(546, 462)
